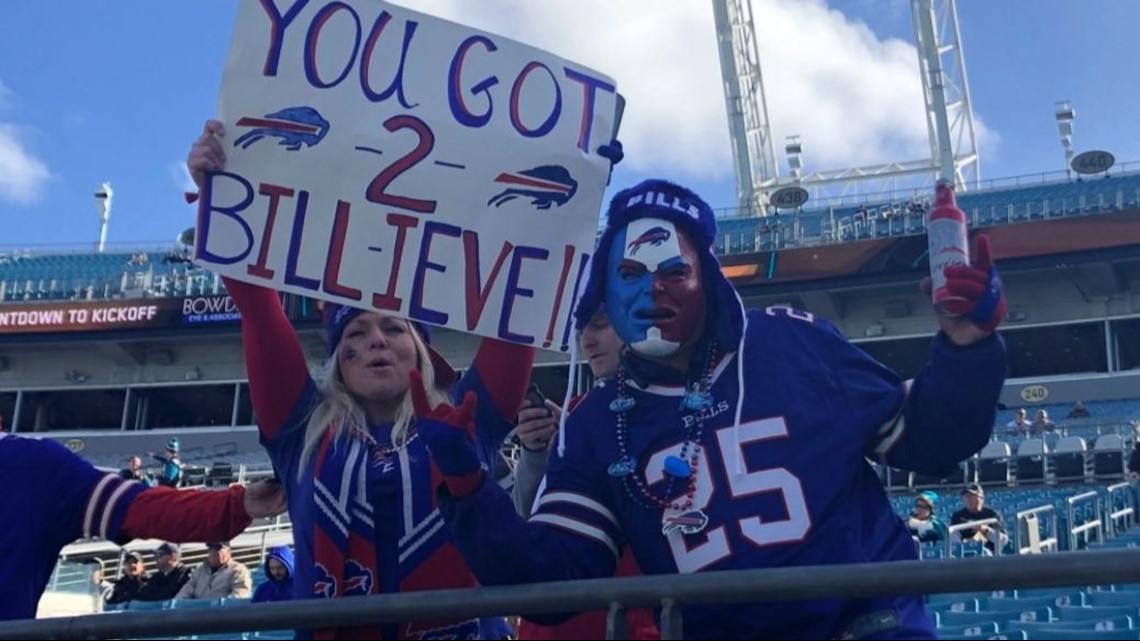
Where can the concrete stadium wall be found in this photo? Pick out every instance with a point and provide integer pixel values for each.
(1095, 387)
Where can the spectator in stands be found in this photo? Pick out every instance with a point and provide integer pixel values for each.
(219, 576)
(536, 426)
(169, 576)
(176, 257)
(56, 497)
(278, 584)
(536, 429)
(1079, 411)
(992, 535)
(127, 587)
(1042, 424)
(171, 465)
(100, 586)
(356, 414)
(1020, 422)
(709, 398)
(134, 472)
(922, 522)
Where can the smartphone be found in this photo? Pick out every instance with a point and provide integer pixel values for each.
(534, 397)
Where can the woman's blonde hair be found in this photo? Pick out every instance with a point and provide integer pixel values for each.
(338, 410)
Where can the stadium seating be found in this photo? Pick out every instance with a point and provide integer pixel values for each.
(878, 219)
(31, 276)
(26, 276)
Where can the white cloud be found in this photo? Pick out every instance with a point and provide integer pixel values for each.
(180, 176)
(853, 98)
(22, 175)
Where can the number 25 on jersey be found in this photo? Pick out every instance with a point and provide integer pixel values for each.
(694, 557)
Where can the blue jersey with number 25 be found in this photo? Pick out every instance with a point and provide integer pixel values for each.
(789, 486)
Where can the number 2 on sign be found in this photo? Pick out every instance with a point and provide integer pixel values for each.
(377, 189)
(716, 546)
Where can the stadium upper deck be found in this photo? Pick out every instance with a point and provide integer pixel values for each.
(53, 274)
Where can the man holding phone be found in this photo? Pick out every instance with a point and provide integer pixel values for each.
(536, 429)
(537, 423)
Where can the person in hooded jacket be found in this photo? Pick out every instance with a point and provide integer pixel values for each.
(278, 584)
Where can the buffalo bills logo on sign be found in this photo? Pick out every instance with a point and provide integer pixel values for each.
(324, 585)
(545, 186)
(654, 237)
(357, 579)
(295, 126)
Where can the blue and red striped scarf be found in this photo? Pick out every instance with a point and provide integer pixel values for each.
(344, 534)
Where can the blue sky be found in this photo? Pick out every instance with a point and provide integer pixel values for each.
(118, 90)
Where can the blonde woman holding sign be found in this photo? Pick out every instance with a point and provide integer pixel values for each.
(359, 481)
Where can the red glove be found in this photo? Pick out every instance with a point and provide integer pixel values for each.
(449, 433)
(979, 285)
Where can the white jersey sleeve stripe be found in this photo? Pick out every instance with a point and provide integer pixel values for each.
(577, 527)
(892, 430)
(93, 502)
(579, 500)
(109, 508)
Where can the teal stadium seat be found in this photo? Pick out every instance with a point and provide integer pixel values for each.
(1018, 634)
(1096, 613)
(185, 604)
(1126, 598)
(1078, 628)
(1058, 635)
(975, 630)
(142, 606)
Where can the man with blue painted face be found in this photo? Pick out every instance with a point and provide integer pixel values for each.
(735, 439)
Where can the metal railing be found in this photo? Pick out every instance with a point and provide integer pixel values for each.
(1093, 525)
(820, 227)
(924, 191)
(1120, 515)
(971, 525)
(672, 593)
(1031, 518)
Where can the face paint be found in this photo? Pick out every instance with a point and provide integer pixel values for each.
(653, 287)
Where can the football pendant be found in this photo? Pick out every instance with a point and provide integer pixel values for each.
(677, 467)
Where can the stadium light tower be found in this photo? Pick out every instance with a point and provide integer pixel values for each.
(753, 153)
(1065, 117)
(103, 197)
(795, 152)
(953, 152)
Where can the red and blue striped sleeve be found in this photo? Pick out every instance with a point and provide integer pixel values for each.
(499, 377)
(85, 501)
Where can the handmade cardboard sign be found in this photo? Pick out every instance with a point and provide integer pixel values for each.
(386, 159)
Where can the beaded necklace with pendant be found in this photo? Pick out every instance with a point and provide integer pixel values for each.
(678, 512)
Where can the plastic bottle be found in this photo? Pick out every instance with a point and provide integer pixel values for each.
(948, 243)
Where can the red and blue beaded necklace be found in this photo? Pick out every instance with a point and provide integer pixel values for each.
(678, 513)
